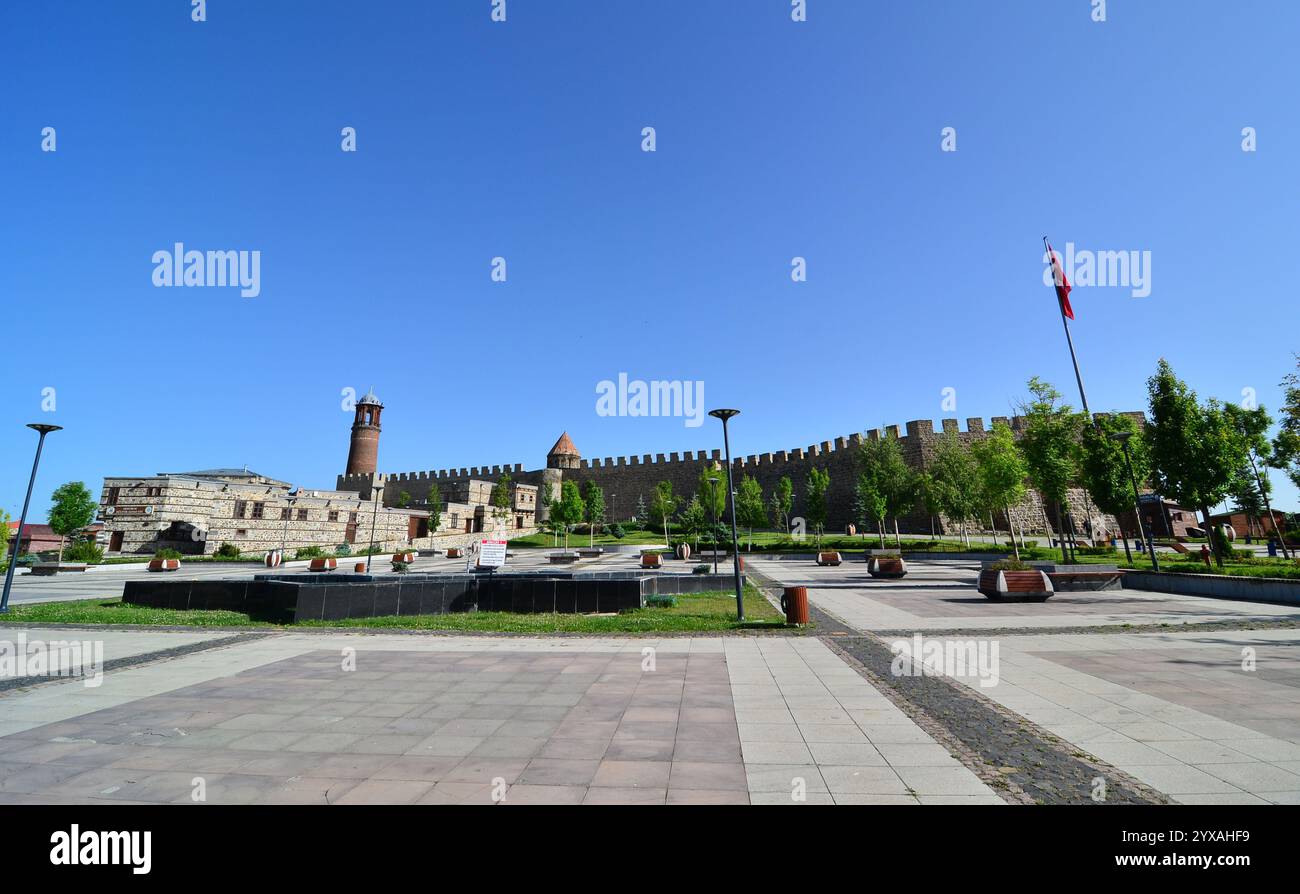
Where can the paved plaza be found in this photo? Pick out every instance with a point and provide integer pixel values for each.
(1204, 710)
(1203, 716)
(447, 720)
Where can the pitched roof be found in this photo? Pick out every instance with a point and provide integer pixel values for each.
(564, 447)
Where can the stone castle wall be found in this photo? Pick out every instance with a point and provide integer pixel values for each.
(625, 479)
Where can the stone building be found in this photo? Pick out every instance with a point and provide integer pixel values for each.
(195, 512)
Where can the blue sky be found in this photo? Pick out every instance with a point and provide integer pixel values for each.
(523, 140)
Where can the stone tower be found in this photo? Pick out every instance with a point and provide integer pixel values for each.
(564, 455)
(363, 454)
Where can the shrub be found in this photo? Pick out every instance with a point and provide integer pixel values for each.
(343, 549)
(227, 551)
(84, 551)
(309, 552)
(166, 553)
(658, 601)
(618, 532)
(1009, 565)
(703, 569)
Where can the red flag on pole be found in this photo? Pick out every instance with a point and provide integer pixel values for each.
(1062, 284)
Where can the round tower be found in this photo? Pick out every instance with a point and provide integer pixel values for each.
(363, 454)
(564, 455)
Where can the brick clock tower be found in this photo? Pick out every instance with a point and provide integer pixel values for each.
(363, 454)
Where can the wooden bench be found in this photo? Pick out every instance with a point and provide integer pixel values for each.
(563, 558)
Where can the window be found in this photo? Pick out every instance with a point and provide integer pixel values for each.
(241, 532)
(286, 513)
(241, 509)
(257, 510)
(112, 495)
(334, 515)
(302, 515)
(352, 518)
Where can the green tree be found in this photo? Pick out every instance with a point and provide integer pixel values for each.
(1103, 469)
(927, 494)
(1050, 444)
(870, 503)
(783, 503)
(72, 509)
(955, 482)
(501, 497)
(595, 509)
(897, 482)
(817, 485)
(1251, 486)
(570, 509)
(1195, 448)
(663, 505)
(694, 520)
(1286, 446)
(641, 512)
(750, 510)
(712, 491)
(1002, 474)
(403, 500)
(4, 537)
(435, 508)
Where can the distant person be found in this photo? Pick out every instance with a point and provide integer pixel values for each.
(1205, 554)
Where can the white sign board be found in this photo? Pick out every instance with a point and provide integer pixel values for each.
(491, 553)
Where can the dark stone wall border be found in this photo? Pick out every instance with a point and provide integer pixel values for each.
(1218, 586)
(285, 598)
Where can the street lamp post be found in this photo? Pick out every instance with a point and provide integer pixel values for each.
(22, 518)
(1123, 438)
(724, 415)
(713, 512)
(284, 540)
(374, 520)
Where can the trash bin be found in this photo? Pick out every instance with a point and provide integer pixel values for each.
(794, 603)
(1272, 548)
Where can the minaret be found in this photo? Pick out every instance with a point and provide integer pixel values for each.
(363, 454)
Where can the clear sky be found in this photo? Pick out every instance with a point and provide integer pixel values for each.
(523, 140)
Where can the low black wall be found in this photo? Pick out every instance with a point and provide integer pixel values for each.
(285, 598)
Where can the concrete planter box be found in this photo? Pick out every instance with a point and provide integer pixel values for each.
(455, 552)
(359, 568)
(403, 558)
(323, 564)
(652, 561)
(274, 559)
(887, 567)
(829, 558)
(164, 564)
(1081, 578)
(1016, 586)
(42, 569)
(590, 552)
(563, 558)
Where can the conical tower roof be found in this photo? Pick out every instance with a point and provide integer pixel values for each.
(564, 447)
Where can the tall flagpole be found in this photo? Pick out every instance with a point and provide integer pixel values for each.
(1078, 377)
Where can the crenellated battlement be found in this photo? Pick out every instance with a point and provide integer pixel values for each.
(916, 439)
